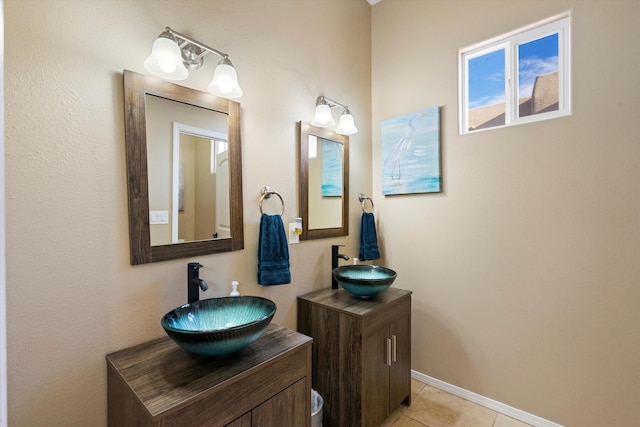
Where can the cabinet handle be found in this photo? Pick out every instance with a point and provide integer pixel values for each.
(388, 351)
(394, 345)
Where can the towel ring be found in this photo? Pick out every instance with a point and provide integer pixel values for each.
(266, 193)
(363, 199)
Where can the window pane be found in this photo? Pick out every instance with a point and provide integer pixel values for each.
(486, 90)
(538, 87)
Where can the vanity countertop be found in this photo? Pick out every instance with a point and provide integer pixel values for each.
(339, 299)
(164, 377)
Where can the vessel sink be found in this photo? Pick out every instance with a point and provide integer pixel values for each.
(218, 326)
(364, 281)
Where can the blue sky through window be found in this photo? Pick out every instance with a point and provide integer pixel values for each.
(535, 59)
(486, 79)
(487, 72)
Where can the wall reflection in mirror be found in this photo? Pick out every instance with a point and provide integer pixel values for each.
(324, 182)
(188, 172)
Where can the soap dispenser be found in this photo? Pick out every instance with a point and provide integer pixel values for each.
(234, 290)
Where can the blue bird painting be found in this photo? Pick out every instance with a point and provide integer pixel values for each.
(411, 153)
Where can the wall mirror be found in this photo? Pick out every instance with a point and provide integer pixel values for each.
(324, 182)
(184, 171)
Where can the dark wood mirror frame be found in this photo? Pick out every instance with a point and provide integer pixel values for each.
(304, 130)
(136, 87)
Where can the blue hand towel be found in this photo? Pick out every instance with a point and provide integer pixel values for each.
(368, 238)
(273, 252)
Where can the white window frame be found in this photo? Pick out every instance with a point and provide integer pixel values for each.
(560, 24)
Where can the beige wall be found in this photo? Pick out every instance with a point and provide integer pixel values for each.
(525, 280)
(525, 270)
(72, 296)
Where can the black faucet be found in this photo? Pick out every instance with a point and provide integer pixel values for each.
(194, 282)
(334, 263)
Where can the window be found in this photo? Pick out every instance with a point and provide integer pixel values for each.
(218, 149)
(516, 78)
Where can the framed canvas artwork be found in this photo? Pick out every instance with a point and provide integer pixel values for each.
(411, 158)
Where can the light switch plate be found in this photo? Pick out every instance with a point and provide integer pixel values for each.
(293, 237)
(158, 217)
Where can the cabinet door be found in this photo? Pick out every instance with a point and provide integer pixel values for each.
(289, 408)
(400, 369)
(375, 377)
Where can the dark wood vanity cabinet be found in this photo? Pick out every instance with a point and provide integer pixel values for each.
(361, 353)
(282, 410)
(266, 384)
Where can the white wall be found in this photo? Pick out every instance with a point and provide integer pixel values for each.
(72, 295)
(525, 269)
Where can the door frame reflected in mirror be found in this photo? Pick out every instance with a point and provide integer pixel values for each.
(198, 136)
(136, 87)
(304, 131)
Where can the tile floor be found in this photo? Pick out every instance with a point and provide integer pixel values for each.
(431, 407)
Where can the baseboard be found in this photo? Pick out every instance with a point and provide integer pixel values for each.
(507, 410)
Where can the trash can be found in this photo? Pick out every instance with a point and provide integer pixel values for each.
(316, 409)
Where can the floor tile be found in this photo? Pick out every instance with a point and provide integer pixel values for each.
(403, 421)
(416, 387)
(505, 421)
(435, 408)
(431, 407)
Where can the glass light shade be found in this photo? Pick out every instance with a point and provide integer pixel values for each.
(166, 60)
(225, 82)
(323, 117)
(346, 126)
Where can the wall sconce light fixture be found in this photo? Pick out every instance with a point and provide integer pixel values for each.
(323, 117)
(173, 53)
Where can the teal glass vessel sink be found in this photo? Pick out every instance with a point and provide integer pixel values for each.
(364, 281)
(218, 326)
